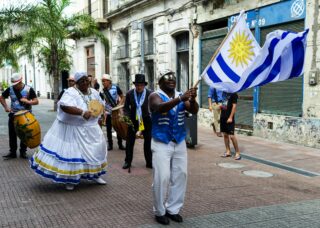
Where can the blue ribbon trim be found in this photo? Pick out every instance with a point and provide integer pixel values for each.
(78, 160)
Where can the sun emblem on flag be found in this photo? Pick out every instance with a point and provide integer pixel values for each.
(241, 49)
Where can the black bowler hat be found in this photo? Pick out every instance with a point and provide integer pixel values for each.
(140, 78)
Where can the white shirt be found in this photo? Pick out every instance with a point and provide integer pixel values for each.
(73, 98)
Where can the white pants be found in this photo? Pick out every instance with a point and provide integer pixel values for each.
(169, 163)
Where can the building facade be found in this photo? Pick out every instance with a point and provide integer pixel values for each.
(89, 53)
(149, 36)
(284, 111)
(32, 70)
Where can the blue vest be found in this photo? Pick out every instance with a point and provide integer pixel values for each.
(170, 125)
(15, 104)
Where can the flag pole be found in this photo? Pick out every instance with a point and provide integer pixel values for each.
(218, 50)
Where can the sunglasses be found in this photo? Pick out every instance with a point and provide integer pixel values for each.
(169, 77)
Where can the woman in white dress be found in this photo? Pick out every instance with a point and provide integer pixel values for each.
(74, 148)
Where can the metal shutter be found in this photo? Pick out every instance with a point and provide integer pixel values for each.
(282, 98)
(244, 113)
(210, 43)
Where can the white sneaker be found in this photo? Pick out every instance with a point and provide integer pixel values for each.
(69, 187)
(100, 180)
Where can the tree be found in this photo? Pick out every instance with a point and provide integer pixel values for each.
(44, 30)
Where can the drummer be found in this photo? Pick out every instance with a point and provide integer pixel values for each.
(113, 96)
(22, 98)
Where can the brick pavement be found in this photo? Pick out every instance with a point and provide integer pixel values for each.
(216, 196)
(298, 214)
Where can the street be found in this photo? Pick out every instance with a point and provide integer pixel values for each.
(274, 185)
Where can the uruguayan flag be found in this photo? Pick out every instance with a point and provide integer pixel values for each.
(281, 58)
(235, 55)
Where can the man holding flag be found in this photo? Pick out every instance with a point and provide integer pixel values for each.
(168, 145)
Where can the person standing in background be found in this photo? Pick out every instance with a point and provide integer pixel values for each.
(96, 85)
(71, 83)
(113, 96)
(137, 109)
(227, 121)
(215, 99)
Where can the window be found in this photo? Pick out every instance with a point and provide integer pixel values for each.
(148, 39)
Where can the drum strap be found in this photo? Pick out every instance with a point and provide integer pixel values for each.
(109, 98)
(19, 96)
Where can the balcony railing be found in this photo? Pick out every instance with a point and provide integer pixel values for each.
(123, 51)
(94, 10)
(115, 4)
(149, 47)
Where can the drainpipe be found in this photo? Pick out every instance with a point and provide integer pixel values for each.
(315, 29)
(142, 47)
(256, 90)
(190, 83)
(34, 73)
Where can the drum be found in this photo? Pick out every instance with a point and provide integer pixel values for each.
(118, 122)
(27, 128)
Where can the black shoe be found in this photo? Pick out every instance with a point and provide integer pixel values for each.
(176, 217)
(9, 156)
(126, 165)
(148, 166)
(24, 156)
(162, 220)
(110, 147)
(121, 147)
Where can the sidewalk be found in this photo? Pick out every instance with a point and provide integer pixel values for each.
(219, 194)
(282, 154)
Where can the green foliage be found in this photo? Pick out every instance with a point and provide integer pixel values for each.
(4, 85)
(64, 59)
(127, 120)
(23, 132)
(43, 30)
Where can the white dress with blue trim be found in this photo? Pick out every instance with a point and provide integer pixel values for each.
(73, 148)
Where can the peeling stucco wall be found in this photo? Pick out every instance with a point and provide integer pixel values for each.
(205, 118)
(295, 130)
(311, 101)
(288, 129)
